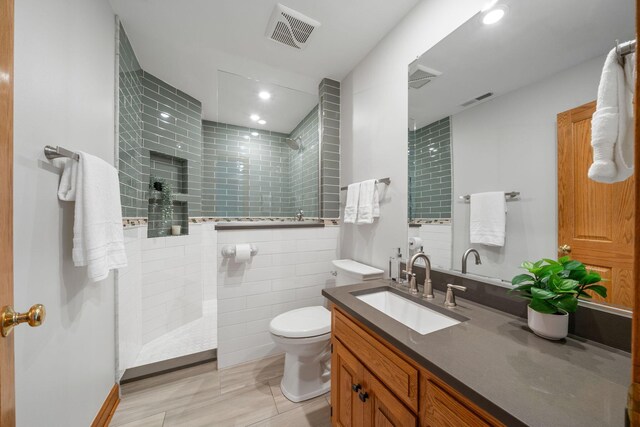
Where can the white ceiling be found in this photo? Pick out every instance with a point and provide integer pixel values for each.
(536, 39)
(238, 99)
(186, 42)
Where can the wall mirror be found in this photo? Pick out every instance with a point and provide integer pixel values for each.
(506, 106)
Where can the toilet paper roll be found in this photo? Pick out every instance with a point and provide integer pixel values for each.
(415, 243)
(243, 252)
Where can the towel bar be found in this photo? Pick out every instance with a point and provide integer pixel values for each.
(509, 196)
(386, 181)
(51, 153)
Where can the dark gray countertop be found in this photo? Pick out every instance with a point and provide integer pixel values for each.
(498, 363)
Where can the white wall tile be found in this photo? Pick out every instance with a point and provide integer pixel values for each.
(290, 271)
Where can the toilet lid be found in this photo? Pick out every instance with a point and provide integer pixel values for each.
(302, 322)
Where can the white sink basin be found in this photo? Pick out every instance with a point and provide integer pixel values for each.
(415, 316)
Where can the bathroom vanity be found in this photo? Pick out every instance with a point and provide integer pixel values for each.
(486, 370)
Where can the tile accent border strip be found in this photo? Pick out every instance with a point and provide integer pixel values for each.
(132, 222)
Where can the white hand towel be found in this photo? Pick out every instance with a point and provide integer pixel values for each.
(351, 207)
(98, 240)
(612, 133)
(487, 224)
(369, 203)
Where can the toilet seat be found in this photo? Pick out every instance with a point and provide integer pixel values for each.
(303, 322)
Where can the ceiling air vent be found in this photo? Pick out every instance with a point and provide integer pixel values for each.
(290, 27)
(479, 98)
(419, 75)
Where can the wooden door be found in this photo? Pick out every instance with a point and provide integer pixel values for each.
(382, 408)
(347, 382)
(7, 399)
(596, 221)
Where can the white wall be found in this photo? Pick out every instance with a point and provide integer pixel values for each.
(436, 242)
(163, 288)
(373, 129)
(171, 282)
(64, 95)
(510, 144)
(129, 301)
(290, 270)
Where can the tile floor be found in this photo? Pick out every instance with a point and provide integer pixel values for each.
(243, 395)
(194, 337)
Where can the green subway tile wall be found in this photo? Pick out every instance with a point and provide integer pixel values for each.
(304, 168)
(259, 175)
(329, 91)
(132, 184)
(218, 169)
(430, 171)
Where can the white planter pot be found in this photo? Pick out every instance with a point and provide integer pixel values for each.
(549, 326)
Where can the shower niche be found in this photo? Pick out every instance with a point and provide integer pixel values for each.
(168, 191)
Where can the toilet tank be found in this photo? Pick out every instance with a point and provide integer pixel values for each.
(351, 272)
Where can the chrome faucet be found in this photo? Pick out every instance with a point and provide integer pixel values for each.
(413, 287)
(300, 215)
(466, 255)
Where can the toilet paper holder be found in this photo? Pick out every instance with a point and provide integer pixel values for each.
(229, 251)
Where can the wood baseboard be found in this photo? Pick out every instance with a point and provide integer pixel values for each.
(108, 408)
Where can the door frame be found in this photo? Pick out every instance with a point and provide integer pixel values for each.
(633, 404)
(7, 379)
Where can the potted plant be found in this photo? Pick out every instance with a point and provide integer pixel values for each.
(553, 288)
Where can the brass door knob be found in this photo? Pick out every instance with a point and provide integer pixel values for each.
(9, 318)
(564, 249)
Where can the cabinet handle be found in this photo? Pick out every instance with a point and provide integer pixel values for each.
(356, 387)
(363, 396)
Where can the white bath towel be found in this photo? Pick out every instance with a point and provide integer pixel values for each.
(487, 224)
(612, 132)
(351, 207)
(369, 203)
(98, 240)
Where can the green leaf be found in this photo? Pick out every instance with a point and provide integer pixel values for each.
(527, 265)
(521, 278)
(590, 277)
(598, 289)
(568, 303)
(564, 260)
(542, 293)
(549, 270)
(542, 306)
(576, 274)
(568, 285)
(520, 288)
(574, 265)
(584, 294)
(550, 261)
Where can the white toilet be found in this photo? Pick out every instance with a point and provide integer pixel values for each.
(304, 335)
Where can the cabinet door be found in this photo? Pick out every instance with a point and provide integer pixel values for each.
(382, 408)
(346, 383)
(443, 410)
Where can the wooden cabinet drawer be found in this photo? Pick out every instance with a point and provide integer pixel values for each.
(397, 375)
(444, 410)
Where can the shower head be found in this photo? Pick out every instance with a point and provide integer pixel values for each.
(294, 144)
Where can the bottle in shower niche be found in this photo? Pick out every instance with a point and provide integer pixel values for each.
(394, 264)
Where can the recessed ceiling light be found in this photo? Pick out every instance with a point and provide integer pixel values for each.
(262, 122)
(246, 137)
(493, 16)
(255, 117)
(165, 115)
(488, 5)
(255, 134)
(264, 95)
